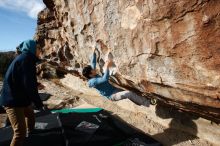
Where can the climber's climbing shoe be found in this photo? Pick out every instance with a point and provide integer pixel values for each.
(153, 101)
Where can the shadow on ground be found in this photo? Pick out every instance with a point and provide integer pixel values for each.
(180, 125)
(44, 96)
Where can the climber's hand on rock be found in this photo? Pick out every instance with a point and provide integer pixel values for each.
(93, 49)
(109, 63)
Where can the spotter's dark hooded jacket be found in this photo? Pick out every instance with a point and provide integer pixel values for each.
(20, 81)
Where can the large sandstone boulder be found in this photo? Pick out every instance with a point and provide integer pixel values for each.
(168, 50)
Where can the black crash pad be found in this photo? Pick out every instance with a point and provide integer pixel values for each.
(81, 129)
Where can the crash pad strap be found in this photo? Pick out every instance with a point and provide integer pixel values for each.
(78, 110)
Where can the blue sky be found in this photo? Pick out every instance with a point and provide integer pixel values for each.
(18, 21)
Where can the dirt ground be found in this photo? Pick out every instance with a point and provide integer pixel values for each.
(58, 96)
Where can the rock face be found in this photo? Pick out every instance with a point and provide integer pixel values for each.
(168, 50)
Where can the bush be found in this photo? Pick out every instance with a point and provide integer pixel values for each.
(5, 60)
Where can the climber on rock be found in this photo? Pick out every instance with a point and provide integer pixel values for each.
(101, 83)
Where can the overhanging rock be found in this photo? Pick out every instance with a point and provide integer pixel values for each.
(168, 50)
